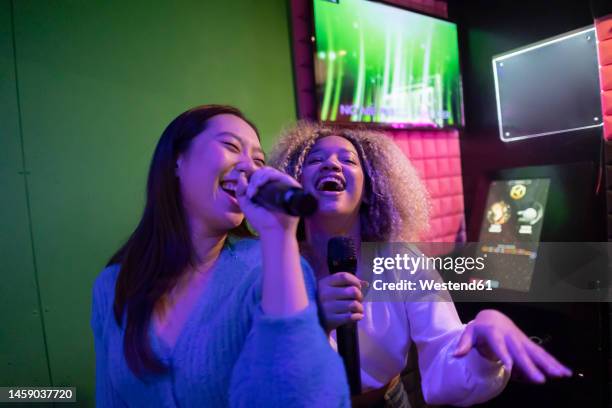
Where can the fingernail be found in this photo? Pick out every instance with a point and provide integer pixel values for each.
(365, 284)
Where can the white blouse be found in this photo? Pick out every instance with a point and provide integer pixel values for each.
(386, 333)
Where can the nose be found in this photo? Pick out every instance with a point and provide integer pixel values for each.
(247, 165)
(331, 163)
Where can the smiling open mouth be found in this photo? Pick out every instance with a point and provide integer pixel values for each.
(229, 187)
(331, 183)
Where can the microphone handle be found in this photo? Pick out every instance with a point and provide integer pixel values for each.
(348, 348)
(342, 257)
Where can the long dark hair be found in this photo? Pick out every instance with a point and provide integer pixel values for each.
(160, 248)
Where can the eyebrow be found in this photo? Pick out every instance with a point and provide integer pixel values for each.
(235, 136)
(342, 150)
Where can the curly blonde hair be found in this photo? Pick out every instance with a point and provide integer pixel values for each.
(395, 206)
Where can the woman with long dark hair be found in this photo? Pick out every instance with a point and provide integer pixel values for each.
(191, 310)
(369, 191)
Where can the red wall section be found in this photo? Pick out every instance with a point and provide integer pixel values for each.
(437, 158)
(434, 7)
(604, 38)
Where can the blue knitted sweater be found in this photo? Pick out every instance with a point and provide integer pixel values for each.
(229, 353)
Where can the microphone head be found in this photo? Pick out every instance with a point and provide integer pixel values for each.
(301, 203)
(341, 255)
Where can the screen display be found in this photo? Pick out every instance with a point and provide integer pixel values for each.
(550, 87)
(510, 231)
(382, 64)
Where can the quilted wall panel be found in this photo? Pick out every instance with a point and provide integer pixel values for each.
(604, 39)
(437, 158)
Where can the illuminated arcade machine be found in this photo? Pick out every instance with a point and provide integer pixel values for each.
(527, 161)
(547, 89)
(548, 187)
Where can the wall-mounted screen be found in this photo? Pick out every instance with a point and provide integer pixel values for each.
(549, 87)
(377, 63)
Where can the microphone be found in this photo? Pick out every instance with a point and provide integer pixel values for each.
(342, 257)
(281, 197)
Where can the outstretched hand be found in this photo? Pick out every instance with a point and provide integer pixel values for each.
(496, 337)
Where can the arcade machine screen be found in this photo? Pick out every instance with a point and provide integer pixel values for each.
(510, 231)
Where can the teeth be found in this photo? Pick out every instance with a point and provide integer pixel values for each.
(332, 179)
(228, 185)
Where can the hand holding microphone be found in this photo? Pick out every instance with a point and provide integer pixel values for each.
(283, 197)
(272, 200)
(342, 258)
(340, 299)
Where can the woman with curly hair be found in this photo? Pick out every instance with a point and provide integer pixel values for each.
(369, 191)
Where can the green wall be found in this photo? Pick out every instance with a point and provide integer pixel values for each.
(86, 89)
(23, 357)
